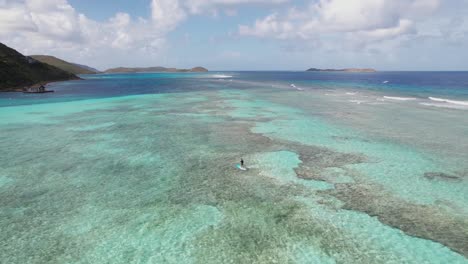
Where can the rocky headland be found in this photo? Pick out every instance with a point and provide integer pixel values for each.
(18, 72)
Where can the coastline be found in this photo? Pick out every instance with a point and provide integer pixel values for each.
(44, 83)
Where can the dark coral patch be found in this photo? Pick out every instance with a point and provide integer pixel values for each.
(424, 221)
(441, 176)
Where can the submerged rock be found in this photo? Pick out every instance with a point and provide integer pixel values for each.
(440, 175)
(308, 174)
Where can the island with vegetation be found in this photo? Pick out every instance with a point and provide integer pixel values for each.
(153, 69)
(342, 70)
(19, 72)
(65, 65)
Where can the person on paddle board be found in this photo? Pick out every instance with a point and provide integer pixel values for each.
(242, 163)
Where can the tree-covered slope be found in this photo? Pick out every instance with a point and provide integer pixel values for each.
(64, 65)
(18, 71)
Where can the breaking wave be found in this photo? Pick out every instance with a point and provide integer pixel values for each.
(400, 98)
(442, 105)
(464, 103)
(221, 76)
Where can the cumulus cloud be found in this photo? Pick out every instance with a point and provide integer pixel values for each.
(371, 20)
(13, 17)
(167, 14)
(270, 26)
(199, 6)
(55, 27)
(54, 18)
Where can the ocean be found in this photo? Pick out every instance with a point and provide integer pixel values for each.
(141, 168)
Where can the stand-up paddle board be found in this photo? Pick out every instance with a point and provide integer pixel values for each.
(238, 166)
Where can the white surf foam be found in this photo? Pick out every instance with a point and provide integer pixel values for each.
(351, 93)
(465, 103)
(400, 98)
(357, 101)
(220, 76)
(445, 105)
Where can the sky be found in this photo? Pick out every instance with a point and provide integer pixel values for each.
(242, 34)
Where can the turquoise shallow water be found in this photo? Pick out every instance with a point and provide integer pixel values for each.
(150, 178)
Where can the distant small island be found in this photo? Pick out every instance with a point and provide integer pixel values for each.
(30, 74)
(153, 69)
(342, 70)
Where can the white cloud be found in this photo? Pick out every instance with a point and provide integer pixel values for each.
(369, 20)
(404, 27)
(55, 27)
(200, 6)
(54, 18)
(167, 14)
(269, 26)
(13, 17)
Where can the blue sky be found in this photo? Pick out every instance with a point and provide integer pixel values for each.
(242, 34)
(104, 9)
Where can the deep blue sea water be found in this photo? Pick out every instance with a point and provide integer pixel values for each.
(140, 168)
(447, 85)
(451, 84)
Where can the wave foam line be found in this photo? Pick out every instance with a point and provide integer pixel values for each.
(221, 76)
(357, 101)
(465, 103)
(451, 106)
(400, 98)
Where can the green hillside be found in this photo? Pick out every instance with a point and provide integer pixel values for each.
(64, 65)
(18, 71)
